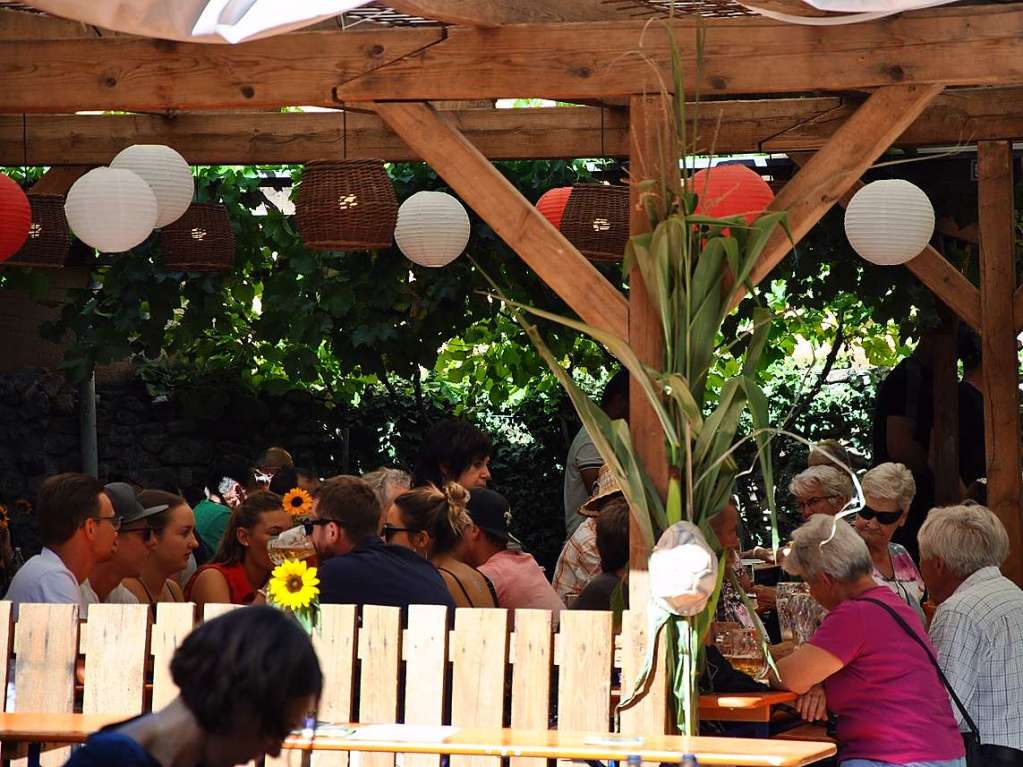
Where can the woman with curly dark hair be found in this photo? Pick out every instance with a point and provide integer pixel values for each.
(246, 680)
(454, 451)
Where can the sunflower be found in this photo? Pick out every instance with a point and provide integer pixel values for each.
(297, 502)
(293, 585)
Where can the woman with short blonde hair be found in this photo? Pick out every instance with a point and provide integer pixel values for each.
(821, 489)
(888, 491)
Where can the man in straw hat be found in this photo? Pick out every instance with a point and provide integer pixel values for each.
(579, 560)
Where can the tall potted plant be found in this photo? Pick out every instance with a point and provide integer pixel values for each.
(693, 266)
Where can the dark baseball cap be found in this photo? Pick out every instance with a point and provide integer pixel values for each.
(126, 503)
(490, 512)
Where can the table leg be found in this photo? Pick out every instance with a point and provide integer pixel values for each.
(33, 754)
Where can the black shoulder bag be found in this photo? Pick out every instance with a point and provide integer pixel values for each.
(971, 740)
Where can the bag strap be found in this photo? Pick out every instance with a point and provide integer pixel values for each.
(930, 656)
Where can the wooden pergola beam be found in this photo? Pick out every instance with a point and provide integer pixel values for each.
(831, 172)
(934, 271)
(998, 344)
(974, 45)
(554, 259)
(492, 13)
(769, 125)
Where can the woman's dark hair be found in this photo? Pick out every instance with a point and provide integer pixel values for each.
(158, 522)
(232, 467)
(248, 664)
(441, 513)
(613, 535)
(448, 449)
(231, 551)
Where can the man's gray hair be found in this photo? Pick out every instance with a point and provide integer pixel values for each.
(388, 484)
(829, 545)
(966, 538)
(830, 480)
(892, 482)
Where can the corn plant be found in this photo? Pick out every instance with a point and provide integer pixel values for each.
(693, 266)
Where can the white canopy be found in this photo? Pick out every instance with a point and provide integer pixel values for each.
(199, 21)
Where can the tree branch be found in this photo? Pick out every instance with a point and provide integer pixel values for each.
(813, 391)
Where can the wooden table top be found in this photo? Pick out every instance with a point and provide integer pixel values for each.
(553, 744)
(741, 700)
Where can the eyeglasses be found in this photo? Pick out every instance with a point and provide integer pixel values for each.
(883, 517)
(803, 504)
(115, 521)
(390, 531)
(144, 530)
(312, 523)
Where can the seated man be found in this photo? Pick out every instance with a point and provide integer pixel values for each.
(78, 528)
(613, 548)
(579, 560)
(135, 541)
(977, 627)
(518, 580)
(357, 567)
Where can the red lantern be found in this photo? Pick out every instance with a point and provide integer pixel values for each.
(15, 217)
(552, 204)
(731, 190)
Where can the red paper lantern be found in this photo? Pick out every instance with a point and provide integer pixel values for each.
(15, 217)
(731, 190)
(552, 204)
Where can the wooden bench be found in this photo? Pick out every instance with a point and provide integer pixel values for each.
(379, 666)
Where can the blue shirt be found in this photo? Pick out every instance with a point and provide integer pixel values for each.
(378, 573)
(106, 748)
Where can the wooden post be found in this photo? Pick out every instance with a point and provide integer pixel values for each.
(998, 343)
(647, 115)
(945, 429)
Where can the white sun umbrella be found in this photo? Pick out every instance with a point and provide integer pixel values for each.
(199, 21)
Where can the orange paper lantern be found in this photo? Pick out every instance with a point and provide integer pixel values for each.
(731, 190)
(15, 217)
(552, 204)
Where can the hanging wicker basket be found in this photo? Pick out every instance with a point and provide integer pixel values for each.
(346, 205)
(49, 238)
(596, 220)
(202, 240)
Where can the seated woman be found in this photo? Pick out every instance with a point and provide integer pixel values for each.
(246, 680)
(821, 489)
(879, 680)
(454, 451)
(431, 523)
(888, 491)
(242, 565)
(174, 530)
(731, 607)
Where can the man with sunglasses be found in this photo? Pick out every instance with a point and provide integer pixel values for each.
(357, 567)
(78, 527)
(135, 541)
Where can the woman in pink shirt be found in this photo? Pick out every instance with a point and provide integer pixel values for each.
(862, 664)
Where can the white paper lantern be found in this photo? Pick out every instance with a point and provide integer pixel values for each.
(889, 222)
(166, 171)
(111, 209)
(432, 228)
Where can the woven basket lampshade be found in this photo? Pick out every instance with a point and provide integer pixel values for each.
(731, 190)
(49, 238)
(552, 204)
(432, 229)
(167, 174)
(15, 217)
(346, 205)
(889, 222)
(596, 220)
(202, 240)
(111, 209)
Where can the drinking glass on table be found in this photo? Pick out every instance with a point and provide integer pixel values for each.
(742, 648)
(799, 614)
(291, 544)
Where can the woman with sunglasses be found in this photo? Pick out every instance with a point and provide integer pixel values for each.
(242, 566)
(430, 522)
(888, 491)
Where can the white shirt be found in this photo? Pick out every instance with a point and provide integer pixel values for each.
(119, 596)
(581, 455)
(978, 633)
(44, 578)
